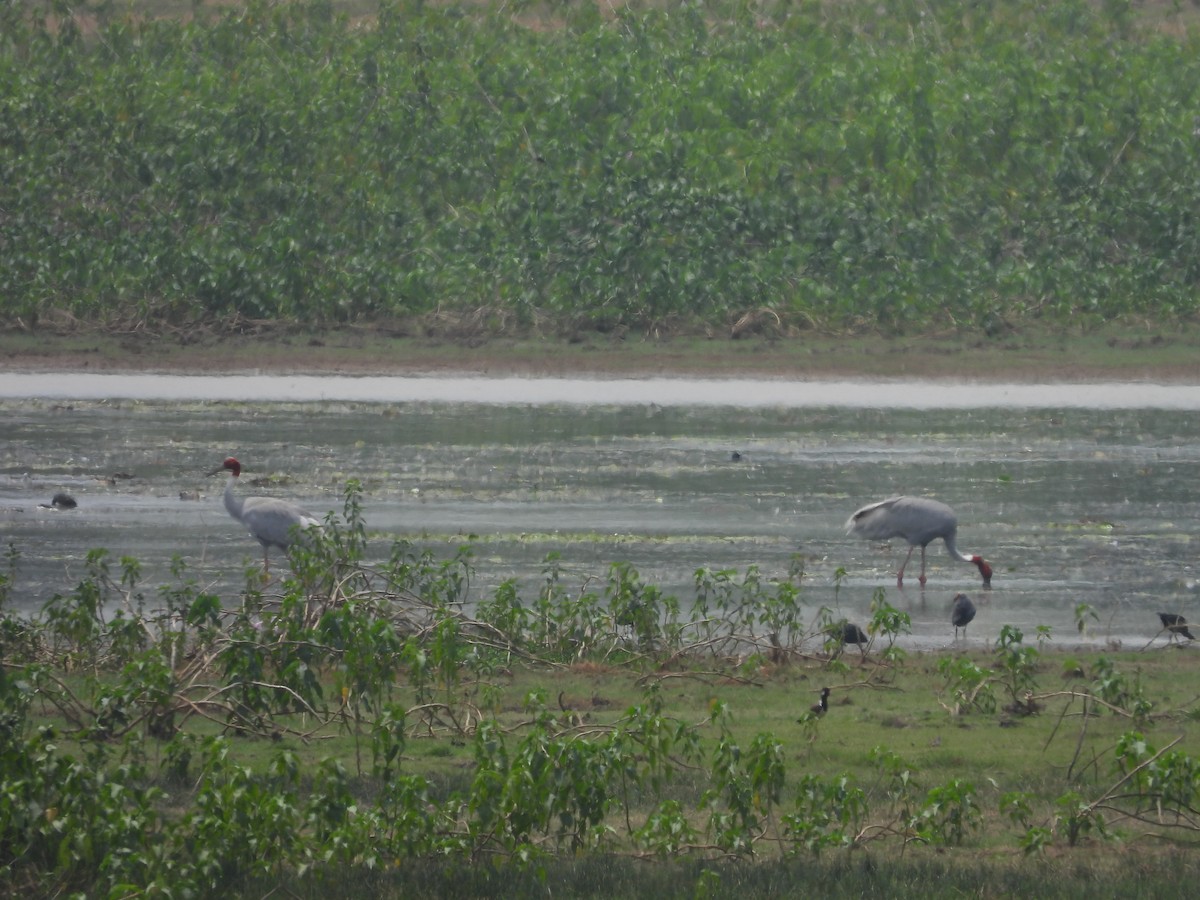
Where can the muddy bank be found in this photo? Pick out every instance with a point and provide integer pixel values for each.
(1118, 354)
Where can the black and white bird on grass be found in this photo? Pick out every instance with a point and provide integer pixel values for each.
(1176, 626)
(822, 706)
(961, 614)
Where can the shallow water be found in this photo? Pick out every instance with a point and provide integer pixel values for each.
(1071, 503)
(737, 392)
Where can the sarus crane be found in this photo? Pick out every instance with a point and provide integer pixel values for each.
(269, 520)
(918, 520)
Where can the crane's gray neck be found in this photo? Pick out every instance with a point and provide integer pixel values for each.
(951, 546)
(233, 503)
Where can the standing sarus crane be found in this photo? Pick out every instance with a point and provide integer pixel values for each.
(918, 520)
(269, 520)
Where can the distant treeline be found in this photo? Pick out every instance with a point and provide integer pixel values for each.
(567, 167)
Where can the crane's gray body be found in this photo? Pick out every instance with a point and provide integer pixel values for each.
(918, 520)
(270, 521)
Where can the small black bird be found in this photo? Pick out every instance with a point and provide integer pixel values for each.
(60, 501)
(852, 634)
(1176, 625)
(961, 614)
(819, 709)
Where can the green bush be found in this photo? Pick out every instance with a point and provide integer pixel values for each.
(986, 165)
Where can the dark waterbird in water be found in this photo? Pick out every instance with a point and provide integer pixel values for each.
(961, 613)
(919, 521)
(60, 501)
(1176, 626)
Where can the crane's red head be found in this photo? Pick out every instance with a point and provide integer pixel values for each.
(984, 569)
(230, 465)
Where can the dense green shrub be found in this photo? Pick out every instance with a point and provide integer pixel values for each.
(977, 164)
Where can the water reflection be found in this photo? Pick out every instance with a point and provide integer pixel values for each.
(1071, 505)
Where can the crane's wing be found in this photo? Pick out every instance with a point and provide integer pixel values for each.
(916, 519)
(873, 519)
(271, 520)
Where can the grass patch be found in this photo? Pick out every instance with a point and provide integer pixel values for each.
(1166, 354)
(903, 712)
(949, 874)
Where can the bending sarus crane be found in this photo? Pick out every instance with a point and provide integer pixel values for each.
(269, 520)
(918, 520)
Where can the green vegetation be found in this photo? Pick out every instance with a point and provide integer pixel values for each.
(1155, 352)
(365, 729)
(557, 170)
(563, 169)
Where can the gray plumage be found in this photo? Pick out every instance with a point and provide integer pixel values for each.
(1176, 626)
(918, 520)
(60, 501)
(269, 520)
(961, 613)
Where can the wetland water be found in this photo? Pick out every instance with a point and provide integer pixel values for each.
(1074, 493)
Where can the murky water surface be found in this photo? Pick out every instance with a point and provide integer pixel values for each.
(1076, 494)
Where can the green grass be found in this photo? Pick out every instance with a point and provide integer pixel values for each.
(1117, 352)
(950, 874)
(906, 709)
(1045, 755)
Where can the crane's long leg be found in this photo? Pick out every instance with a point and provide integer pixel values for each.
(922, 578)
(900, 574)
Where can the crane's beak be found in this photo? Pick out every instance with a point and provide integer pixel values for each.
(217, 471)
